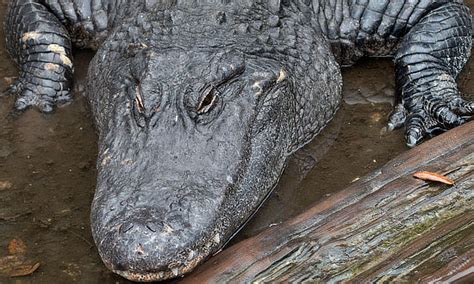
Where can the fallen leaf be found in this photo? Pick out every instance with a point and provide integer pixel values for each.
(430, 176)
(16, 246)
(24, 270)
(16, 265)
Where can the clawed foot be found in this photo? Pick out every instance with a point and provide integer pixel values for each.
(430, 115)
(42, 94)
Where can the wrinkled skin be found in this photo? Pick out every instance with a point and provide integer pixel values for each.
(198, 104)
(199, 128)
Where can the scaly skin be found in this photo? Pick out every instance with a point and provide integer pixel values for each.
(199, 103)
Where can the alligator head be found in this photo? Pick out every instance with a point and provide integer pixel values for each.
(192, 138)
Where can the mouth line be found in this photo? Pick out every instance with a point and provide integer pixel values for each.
(181, 270)
(269, 193)
(165, 274)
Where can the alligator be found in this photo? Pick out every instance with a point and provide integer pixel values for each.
(198, 104)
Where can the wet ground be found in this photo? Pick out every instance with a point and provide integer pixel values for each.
(47, 171)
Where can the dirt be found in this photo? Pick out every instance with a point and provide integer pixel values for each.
(47, 169)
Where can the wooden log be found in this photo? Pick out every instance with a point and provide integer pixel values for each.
(388, 226)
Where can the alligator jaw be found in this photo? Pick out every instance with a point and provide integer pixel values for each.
(161, 275)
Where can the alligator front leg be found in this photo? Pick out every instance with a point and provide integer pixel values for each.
(431, 41)
(41, 47)
(428, 61)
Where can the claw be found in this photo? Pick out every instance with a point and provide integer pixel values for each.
(448, 118)
(21, 104)
(413, 136)
(45, 102)
(464, 108)
(390, 126)
(45, 107)
(63, 98)
(397, 117)
(431, 113)
(24, 100)
(417, 124)
(11, 90)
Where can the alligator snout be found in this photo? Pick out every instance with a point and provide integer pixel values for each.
(145, 245)
(193, 143)
(149, 234)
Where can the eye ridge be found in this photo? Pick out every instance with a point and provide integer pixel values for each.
(211, 91)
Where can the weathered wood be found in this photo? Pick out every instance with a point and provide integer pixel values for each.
(387, 226)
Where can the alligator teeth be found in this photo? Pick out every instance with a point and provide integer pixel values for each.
(191, 255)
(217, 238)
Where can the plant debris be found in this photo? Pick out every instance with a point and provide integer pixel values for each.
(4, 185)
(430, 176)
(16, 265)
(24, 270)
(16, 246)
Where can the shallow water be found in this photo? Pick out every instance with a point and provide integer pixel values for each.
(47, 170)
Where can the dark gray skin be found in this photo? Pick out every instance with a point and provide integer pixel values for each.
(198, 104)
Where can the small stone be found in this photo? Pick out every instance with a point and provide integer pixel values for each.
(376, 117)
(4, 185)
(9, 80)
(355, 179)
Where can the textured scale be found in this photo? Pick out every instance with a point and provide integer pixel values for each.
(199, 103)
(359, 28)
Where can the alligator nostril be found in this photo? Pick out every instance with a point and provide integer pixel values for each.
(140, 250)
(151, 227)
(125, 228)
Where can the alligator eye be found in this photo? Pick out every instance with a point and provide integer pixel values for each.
(139, 100)
(208, 101)
(138, 109)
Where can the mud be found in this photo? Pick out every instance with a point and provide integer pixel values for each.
(47, 169)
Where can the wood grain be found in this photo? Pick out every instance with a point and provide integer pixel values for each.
(388, 226)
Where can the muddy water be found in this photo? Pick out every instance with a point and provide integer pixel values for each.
(47, 170)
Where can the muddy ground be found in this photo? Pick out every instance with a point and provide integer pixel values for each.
(47, 170)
